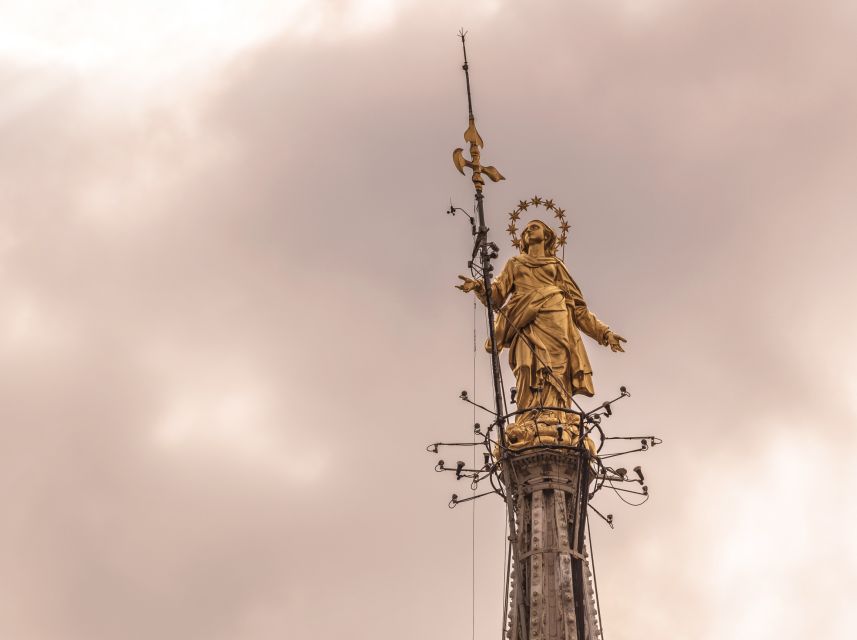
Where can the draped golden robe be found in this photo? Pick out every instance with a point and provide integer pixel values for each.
(540, 314)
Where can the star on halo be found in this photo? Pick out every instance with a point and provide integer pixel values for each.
(523, 204)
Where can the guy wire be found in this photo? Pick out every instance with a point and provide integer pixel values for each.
(507, 553)
(473, 502)
(594, 577)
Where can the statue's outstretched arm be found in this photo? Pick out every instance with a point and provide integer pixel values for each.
(500, 288)
(589, 324)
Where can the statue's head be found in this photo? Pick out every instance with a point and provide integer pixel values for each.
(538, 232)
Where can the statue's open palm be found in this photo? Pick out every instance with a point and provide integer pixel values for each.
(614, 341)
(469, 284)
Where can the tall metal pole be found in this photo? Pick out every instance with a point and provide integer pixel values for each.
(485, 255)
(472, 136)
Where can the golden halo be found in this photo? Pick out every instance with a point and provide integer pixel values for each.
(536, 201)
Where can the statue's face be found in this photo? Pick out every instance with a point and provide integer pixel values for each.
(535, 233)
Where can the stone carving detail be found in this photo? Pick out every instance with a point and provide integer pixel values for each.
(551, 595)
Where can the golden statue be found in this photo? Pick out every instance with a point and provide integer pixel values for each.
(540, 316)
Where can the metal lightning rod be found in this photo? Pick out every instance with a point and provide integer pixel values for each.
(481, 245)
(486, 252)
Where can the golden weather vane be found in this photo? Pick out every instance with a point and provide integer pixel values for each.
(472, 136)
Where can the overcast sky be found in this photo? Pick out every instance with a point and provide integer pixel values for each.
(228, 328)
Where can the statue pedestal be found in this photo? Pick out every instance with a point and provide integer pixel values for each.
(551, 591)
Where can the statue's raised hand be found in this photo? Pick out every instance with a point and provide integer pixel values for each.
(470, 284)
(614, 341)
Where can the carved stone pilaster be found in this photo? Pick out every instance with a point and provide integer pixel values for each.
(551, 596)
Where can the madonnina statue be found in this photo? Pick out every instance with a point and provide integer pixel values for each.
(540, 315)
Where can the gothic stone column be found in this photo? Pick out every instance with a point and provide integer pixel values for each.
(551, 592)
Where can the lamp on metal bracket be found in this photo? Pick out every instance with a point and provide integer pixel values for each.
(459, 466)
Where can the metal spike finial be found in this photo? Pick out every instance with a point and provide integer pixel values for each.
(472, 137)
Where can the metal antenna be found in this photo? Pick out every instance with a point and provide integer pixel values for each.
(462, 34)
(481, 245)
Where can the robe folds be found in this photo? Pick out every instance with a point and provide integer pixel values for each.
(540, 315)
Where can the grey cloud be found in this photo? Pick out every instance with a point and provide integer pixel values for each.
(291, 240)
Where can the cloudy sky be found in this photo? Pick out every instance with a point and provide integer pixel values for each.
(228, 327)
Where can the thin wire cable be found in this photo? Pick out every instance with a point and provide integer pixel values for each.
(473, 502)
(507, 553)
(507, 547)
(628, 502)
(594, 577)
